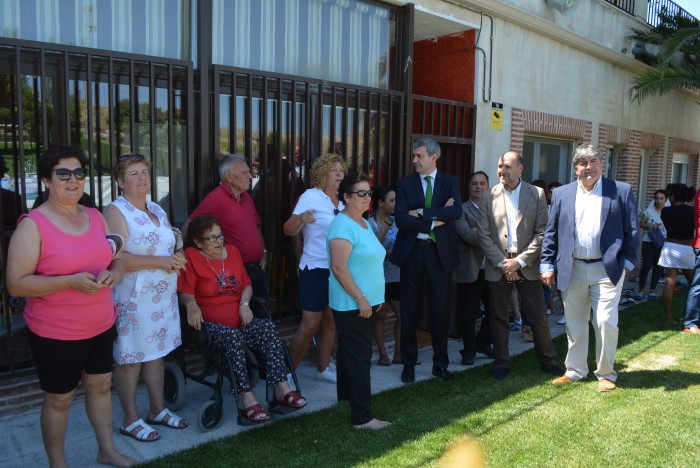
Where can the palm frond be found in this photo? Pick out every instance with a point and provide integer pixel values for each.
(686, 40)
(658, 81)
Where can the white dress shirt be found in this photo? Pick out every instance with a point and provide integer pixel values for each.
(588, 209)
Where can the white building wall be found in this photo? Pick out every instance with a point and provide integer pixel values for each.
(574, 64)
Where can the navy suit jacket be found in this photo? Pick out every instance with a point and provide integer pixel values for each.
(410, 196)
(619, 237)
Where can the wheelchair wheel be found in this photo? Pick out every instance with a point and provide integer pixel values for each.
(209, 415)
(174, 386)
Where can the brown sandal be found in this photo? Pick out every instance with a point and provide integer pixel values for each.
(384, 361)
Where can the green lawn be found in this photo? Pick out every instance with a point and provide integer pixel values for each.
(651, 420)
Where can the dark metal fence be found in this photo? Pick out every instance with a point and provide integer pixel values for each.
(657, 7)
(283, 123)
(109, 104)
(624, 5)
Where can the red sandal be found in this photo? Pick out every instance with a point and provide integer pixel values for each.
(293, 400)
(256, 414)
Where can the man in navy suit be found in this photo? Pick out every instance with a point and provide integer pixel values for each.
(591, 241)
(427, 205)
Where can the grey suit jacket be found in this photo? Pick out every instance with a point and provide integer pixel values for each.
(619, 236)
(493, 229)
(470, 254)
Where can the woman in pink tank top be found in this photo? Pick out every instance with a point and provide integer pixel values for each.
(61, 261)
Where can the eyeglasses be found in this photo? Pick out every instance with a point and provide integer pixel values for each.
(362, 193)
(64, 174)
(214, 239)
(135, 156)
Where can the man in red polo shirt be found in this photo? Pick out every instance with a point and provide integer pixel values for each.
(233, 205)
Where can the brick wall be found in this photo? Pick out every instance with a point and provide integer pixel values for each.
(541, 123)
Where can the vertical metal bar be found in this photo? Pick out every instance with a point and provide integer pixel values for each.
(170, 102)
(44, 114)
(377, 138)
(66, 84)
(356, 122)
(190, 107)
(216, 109)
(344, 125)
(331, 127)
(133, 104)
(152, 130)
(233, 134)
(111, 100)
(97, 197)
(367, 123)
(249, 116)
(20, 121)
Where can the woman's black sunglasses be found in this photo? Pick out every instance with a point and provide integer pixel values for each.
(64, 174)
(362, 193)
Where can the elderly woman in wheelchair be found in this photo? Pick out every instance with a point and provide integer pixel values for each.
(216, 292)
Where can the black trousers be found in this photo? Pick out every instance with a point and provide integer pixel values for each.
(470, 297)
(424, 267)
(353, 363)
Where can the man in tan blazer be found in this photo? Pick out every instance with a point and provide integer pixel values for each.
(472, 287)
(512, 220)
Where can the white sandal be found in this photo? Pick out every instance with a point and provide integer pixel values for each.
(172, 422)
(141, 435)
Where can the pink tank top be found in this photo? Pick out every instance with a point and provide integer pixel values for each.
(71, 314)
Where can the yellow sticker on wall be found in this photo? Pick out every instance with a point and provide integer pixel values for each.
(496, 116)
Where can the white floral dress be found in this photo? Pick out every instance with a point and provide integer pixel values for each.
(148, 321)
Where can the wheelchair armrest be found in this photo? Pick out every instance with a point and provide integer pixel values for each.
(259, 307)
(196, 338)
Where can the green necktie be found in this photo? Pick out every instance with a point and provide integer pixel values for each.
(429, 200)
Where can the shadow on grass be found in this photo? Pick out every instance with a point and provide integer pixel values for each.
(433, 409)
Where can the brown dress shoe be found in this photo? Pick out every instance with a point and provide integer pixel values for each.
(564, 379)
(605, 385)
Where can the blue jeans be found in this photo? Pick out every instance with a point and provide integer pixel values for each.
(692, 307)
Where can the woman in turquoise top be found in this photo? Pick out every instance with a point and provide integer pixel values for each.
(356, 290)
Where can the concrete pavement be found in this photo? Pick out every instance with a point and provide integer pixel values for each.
(23, 445)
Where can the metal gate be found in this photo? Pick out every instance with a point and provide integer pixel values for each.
(282, 123)
(110, 104)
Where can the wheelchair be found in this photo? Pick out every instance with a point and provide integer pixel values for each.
(217, 366)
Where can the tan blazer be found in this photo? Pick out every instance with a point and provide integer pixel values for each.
(470, 254)
(493, 229)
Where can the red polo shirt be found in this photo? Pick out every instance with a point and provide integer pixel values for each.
(239, 221)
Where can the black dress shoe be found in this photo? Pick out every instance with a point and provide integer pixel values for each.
(553, 369)
(408, 374)
(441, 372)
(467, 359)
(500, 373)
(487, 351)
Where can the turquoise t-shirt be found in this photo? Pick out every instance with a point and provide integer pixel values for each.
(366, 264)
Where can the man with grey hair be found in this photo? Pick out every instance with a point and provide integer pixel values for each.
(589, 245)
(240, 223)
(427, 205)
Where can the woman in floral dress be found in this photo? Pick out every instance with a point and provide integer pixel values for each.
(148, 322)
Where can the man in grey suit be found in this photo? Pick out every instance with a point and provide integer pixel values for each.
(473, 288)
(512, 218)
(591, 241)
